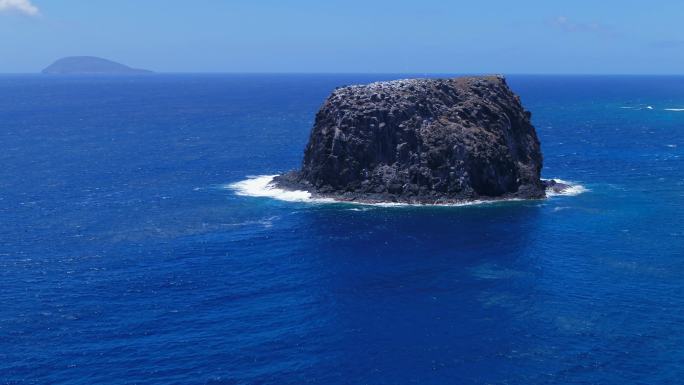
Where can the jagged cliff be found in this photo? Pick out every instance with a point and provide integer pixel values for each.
(422, 141)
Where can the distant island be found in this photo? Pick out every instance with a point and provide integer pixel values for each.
(425, 141)
(90, 65)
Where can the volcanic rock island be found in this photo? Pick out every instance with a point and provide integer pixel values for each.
(90, 65)
(422, 141)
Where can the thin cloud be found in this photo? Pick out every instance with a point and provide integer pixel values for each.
(565, 24)
(22, 6)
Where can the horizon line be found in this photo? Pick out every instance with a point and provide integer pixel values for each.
(152, 73)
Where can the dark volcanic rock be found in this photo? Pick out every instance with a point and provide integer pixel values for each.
(422, 141)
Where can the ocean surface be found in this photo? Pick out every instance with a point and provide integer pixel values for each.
(129, 256)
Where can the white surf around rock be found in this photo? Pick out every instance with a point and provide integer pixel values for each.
(263, 186)
(572, 189)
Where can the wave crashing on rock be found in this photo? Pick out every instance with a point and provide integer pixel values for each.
(263, 186)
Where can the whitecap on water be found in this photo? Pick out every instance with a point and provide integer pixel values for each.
(572, 190)
(641, 107)
(675, 109)
(263, 186)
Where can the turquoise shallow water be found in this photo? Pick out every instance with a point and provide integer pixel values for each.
(124, 259)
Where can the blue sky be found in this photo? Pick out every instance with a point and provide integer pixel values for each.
(482, 36)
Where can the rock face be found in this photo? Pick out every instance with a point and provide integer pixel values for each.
(422, 141)
(89, 65)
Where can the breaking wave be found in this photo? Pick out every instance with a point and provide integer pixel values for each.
(646, 107)
(640, 107)
(572, 190)
(262, 186)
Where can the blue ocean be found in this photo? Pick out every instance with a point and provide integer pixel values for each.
(129, 256)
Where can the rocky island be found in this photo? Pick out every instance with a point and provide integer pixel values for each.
(424, 141)
(90, 65)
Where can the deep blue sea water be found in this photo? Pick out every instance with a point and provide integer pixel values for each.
(124, 259)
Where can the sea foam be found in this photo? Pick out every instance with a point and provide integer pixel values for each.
(572, 190)
(637, 108)
(263, 186)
